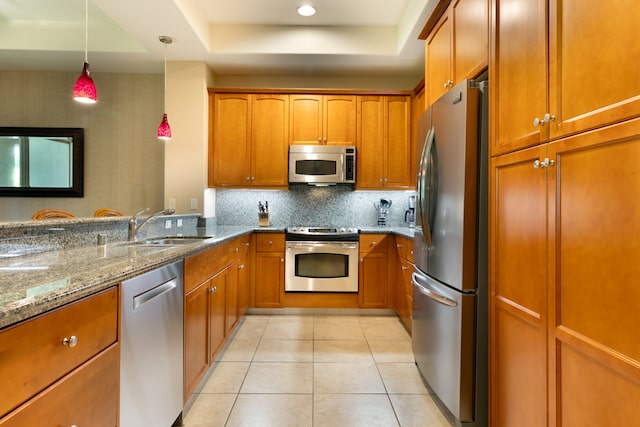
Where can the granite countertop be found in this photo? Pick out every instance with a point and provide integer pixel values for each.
(35, 283)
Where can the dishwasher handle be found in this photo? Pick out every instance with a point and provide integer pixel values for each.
(155, 292)
(415, 278)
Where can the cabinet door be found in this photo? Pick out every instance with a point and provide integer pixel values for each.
(196, 349)
(370, 149)
(438, 59)
(397, 153)
(231, 298)
(593, 64)
(339, 119)
(231, 140)
(373, 280)
(470, 37)
(217, 305)
(243, 285)
(518, 289)
(269, 140)
(595, 194)
(269, 279)
(402, 298)
(86, 397)
(305, 119)
(518, 92)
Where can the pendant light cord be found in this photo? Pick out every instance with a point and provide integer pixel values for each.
(165, 77)
(86, 29)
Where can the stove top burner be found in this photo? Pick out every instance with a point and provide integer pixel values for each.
(322, 233)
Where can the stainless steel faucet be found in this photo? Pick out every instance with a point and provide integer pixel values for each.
(134, 227)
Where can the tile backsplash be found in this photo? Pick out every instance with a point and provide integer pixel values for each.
(308, 205)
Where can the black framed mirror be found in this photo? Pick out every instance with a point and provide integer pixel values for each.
(41, 162)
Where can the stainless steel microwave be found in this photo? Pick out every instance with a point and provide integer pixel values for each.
(322, 164)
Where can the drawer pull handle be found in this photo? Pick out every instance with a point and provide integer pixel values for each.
(72, 341)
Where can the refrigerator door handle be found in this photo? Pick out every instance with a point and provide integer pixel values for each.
(427, 186)
(430, 294)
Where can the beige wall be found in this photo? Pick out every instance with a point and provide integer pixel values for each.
(124, 161)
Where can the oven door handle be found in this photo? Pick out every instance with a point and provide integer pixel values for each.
(293, 245)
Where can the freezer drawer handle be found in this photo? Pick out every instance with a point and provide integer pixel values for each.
(430, 294)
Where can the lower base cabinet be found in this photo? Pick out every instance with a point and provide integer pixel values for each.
(269, 278)
(372, 278)
(86, 397)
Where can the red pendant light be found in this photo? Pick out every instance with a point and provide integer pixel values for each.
(85, 89)
(164, 130)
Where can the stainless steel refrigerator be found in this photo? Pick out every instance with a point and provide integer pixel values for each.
(450, 246)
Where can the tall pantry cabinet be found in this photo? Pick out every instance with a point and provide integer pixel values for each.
(564, 213)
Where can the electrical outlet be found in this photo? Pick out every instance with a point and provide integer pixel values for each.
(172, 203)
(167, 224)
(179, 222)
(194, 203)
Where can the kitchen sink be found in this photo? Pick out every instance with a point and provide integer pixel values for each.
(179, 240)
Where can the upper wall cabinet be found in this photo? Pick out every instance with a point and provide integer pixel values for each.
(590, 78)
(322, 119)
(457, 46)
(384, 143)
(248, 141)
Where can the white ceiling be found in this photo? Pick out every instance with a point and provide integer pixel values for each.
(235, 37)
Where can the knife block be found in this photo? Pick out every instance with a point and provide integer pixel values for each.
(263, 219)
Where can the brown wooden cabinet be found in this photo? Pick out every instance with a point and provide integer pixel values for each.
(216, 297)
(563, 281)
(384, 142)
(373, 278)
(457, 47)
(403, 289)
(58, 364)
(587, 80)
(249, 145)
(269, 270)
(322, 119)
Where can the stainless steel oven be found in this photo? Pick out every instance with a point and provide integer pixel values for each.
(321, 259)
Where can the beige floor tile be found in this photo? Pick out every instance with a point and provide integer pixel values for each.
(418, 410)
(356, 377)
(278, 377)
(337, 328)
(402, 378)
(385, 331)
(256, 318)
(353, 410)
(284, 351)
(392, 351)
(289, 328)
(250, 330)
(272, 410)
(341, 351)
(239, 350)
(209, 410)
(226, 377)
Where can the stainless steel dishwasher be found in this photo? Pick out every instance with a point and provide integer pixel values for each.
(151, 346)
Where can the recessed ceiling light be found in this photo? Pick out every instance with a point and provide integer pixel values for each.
(306, 10)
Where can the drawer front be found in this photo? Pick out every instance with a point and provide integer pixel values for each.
(404, 247)
(202, 266)
(270, 242)
(86, 397)
(239, 247)
(373, 243)
(33, 354)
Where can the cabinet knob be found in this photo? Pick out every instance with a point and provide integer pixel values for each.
(320, 140)
(543, 164)
(545, 119)
(72, 341)
(374, 243)
(270, 242)
(245, 244)
(404, 268)
(281, 259)
(448, 84)
(398, 245)
(361, 259)
(247, 178)
(380, 179)
(241, 267)
(236, 250)
(213, 290)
